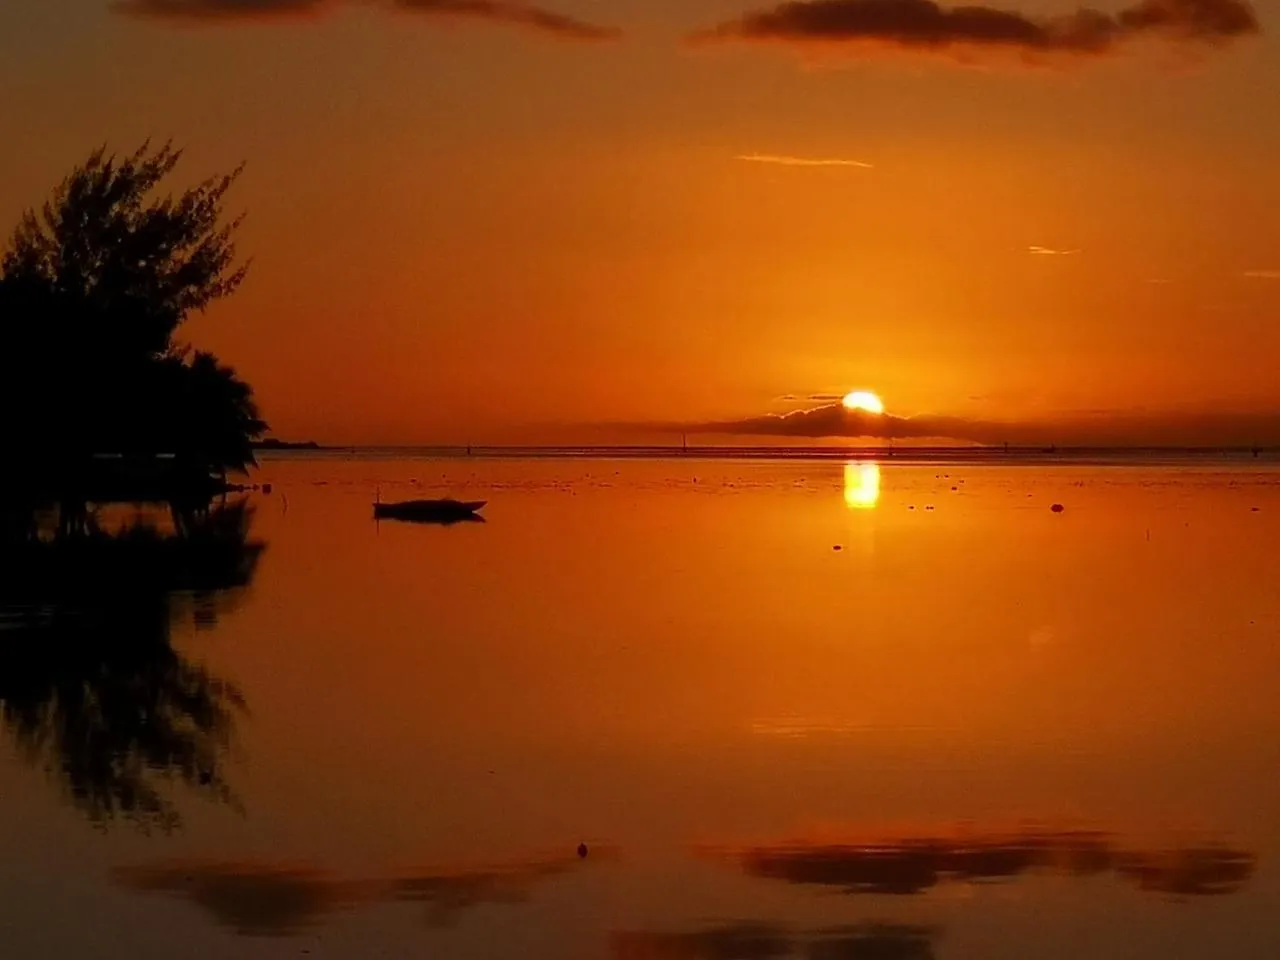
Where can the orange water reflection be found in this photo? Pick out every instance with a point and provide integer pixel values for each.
(652, 655)
(862, 485)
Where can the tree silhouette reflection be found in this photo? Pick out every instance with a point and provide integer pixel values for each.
(91, 687)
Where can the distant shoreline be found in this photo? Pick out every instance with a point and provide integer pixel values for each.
(273, 444)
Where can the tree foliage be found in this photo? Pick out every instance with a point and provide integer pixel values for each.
(94, 287)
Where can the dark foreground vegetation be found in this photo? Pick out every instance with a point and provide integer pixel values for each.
(99, 398)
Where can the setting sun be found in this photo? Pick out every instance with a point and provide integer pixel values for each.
(863, 400)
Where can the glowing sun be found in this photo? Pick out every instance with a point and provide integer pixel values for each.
(863, 400)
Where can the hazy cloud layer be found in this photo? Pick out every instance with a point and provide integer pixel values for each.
(1096, 429)
(925, 26)
(906, 866)
(1263, 274)
(510, 12)
(1050, 252)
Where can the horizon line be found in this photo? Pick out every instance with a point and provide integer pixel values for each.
(795, 452)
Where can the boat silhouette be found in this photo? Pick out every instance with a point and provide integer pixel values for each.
(430, 511)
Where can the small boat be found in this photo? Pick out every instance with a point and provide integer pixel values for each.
(429, 511)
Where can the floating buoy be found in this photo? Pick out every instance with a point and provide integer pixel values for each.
(582, 851)
(1057, 508)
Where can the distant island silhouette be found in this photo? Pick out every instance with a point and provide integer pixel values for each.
(99, 399)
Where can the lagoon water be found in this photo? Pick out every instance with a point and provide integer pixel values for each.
(978, 729)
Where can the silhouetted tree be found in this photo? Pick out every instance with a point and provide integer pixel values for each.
(93, 288)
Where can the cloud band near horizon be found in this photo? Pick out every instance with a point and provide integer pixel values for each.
(924, 26)
(1118, 429)
(508, 12)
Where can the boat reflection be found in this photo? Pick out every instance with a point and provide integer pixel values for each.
(861, 485)
(91, 689)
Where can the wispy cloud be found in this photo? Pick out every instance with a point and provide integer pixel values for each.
(785, 161)
(810, 398)
(1263, 274)
(510, 12)
(1050, 252)
(517, 14)
(196, 12)
(923, 26)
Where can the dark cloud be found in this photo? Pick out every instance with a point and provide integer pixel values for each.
(511, 12)
(925, 26)
(765, 941)
(264, 899)
(519, 14)
(1188, 428)
(914, 865)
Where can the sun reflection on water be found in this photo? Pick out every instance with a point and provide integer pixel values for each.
(861, 485)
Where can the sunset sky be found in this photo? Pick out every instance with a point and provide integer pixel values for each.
(595, 219)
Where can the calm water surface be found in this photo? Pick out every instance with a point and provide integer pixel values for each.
(979, 729)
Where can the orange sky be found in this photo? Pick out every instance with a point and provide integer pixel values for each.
(491, 228)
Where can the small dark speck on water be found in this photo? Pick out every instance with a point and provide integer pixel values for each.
(582, 851)
(929, 507)
(1254, 509)
(955, 488)
(1057, 508)
(266, 488)
(837, 548)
